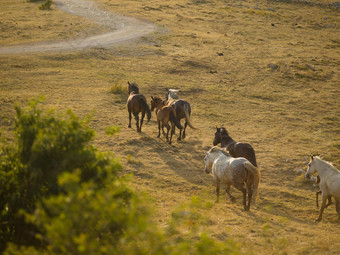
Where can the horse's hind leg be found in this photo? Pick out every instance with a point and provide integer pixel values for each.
(185, 127)
(137, 121)
(217, 191)
(180, 135)
(172, 131)
(250, 195)
(159, 128)
(244, 191)
(141, 122)
(130, 117)
(323, 205)
(167, 132)
(337, 206)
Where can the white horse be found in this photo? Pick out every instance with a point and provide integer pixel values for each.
(171, 94)
(329, 184)
(238, 172)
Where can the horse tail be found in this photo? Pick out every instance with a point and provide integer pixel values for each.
(146, 108)
(252, 157)
(175, 120)
(255, 176)
(187, 116)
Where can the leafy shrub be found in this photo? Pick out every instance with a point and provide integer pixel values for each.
(59, 195)
(46, 5)
(118, 89)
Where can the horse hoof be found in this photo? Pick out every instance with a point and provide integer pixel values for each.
(129, 126)
(318, 220)
(179, 139)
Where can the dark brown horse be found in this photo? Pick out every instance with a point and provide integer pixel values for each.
(165, 114)
(182, 108)
(235, 149)
(136, 103)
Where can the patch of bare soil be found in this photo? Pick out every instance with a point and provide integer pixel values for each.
(120, 29)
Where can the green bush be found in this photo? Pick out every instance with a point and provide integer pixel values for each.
(59, 195)
(46, 5)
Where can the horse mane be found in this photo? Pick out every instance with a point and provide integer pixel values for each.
(329, 164)
(134, 88)
(216, 149)
(171, 94)
(224, 132)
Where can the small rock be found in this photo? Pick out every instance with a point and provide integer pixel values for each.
(310, 67)
(273, 66)
(300, 171)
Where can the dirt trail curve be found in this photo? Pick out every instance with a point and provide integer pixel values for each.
(121, 29)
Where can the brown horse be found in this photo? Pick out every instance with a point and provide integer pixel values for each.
(235, 149)
(182, 108)
(136, 103)
(165, 114)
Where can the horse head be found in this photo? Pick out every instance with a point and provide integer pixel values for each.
(155, 102)
(133, 88)
(208, 163)
(311, 168)
(211, 156)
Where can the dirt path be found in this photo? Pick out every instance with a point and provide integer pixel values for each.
(121, 29)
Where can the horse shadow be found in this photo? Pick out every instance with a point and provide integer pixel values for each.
(184, 158)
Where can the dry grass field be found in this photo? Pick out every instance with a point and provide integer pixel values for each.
(268, 71)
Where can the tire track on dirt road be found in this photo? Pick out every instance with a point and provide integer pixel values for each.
(121, 29)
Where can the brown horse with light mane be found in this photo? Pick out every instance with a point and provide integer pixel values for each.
(136, 103)
(182, 108)
(165, 114)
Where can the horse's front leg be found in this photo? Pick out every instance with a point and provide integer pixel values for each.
(233, 200)
(137, 121)
(329, 201)
(317, 198)
(323, 205)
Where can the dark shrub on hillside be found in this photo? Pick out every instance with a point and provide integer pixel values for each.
(59, 195)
